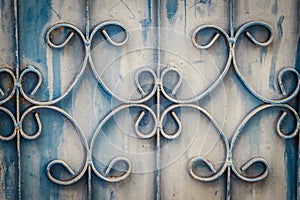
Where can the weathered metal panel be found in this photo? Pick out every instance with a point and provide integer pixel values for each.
(91, 105)
(8, 153)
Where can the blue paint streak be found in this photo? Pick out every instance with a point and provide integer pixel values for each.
(145, 26)
(275, 53)
(199, 9)
(290, 157)
(2, 7)
(34, 15)
(171, 7)
(263, 53)
(146, 22)
(56, 74)
(275, 8)
(297, 62)
(10, 170)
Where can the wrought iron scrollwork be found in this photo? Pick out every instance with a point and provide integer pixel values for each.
(269, 103)
(158, 116)
(229, 164)
(231, 42)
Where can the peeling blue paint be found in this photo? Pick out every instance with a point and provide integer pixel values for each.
(3, 11)
(263, 53)
(290, 157)
(275, 7)
(146, 22)
(112, 197)
(275, 53)
(35, 14)
(171, 7)
(145, 25)
(56, 73)
(198, 7)
(32, 28)
(297, 61)
(10, 170)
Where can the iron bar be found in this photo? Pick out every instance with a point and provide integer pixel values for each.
(17, 63)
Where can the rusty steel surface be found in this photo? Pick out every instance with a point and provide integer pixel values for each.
(141, 103)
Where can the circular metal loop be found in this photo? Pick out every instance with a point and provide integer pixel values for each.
(248, 165)
(176, 133)
(138, 132)
(194, 161)
(56, 27)
(107, 36)
(213, 40)
(12, 135)
(65, 165)
(178, 84)
(11, 94)
(252, 38)
(137, 82)
(113, 179)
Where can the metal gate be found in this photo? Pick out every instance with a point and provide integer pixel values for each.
(170, 99)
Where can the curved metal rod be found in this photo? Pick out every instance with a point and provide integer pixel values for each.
(51, 44)
(96, 133)
(11, 94)
(248, 165)
(110, 40)
(285, 136)
(123, 100)
(281, 86)
(177, 133)
(280, 75)
(217, 174)
(137, 82)
(196, 160)
(35, 135)
(12, 117)
(137, 131)
(59, 110)
(251, 37)
(68, 169)
(222, 73)
(113, 179)
(107, 36)
(69, 37)
(292, 95)
(56, 162)
(212, 41)
(53, 101)
(31, 69)
(179, 82)
(110, 166)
